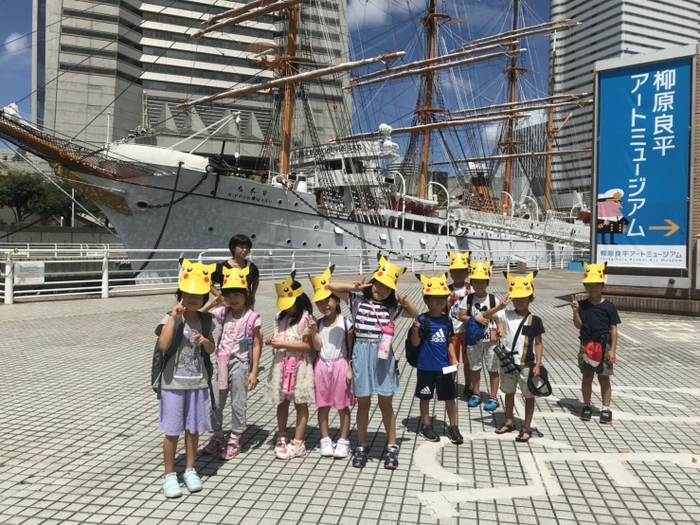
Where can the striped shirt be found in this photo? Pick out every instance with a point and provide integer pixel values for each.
(367, 324)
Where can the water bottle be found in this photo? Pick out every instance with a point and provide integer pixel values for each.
(385, 341)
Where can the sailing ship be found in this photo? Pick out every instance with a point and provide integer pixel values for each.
(348, 194)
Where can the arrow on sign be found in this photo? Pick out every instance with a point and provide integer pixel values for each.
(671, 226)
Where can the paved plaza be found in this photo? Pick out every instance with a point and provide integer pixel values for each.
(80, 442)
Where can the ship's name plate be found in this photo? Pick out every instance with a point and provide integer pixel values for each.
(249, 197)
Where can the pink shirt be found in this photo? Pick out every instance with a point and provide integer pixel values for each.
(232, 331)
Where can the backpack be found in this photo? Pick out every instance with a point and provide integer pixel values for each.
(473, 331)
(161, 358)
(412, 352)
(250, 323)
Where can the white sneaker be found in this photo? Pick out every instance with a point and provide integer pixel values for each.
(292, 450)
(326, 448)
(281, 448)
(342, 450)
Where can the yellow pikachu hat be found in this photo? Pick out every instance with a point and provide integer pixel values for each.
(320, 283)
(288, 291)
(480, 270)
(594, 273)
(195, 277)
(520, 286)
(434, 285)
(235, 278)
(388, 273)
(459, 261)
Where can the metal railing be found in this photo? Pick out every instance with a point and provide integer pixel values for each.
(77, 271)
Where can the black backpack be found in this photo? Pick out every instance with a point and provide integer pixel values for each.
(412, 352)
(160, 358)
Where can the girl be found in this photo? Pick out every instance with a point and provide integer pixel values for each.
(374, 307)
(237, 357)
(332, 373)
(185, 335)
(291, 374)
(239, 246)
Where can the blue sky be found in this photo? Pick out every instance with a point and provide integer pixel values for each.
(368, 21)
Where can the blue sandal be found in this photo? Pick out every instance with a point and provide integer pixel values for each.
(359, 456)
(391, 461)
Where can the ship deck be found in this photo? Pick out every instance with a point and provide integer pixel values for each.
(81, 444)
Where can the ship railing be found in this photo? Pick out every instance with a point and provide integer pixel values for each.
(70, 272)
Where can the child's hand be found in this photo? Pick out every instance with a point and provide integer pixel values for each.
(505, 302)
(311, 323)
(219, 300)
(348, 375)
(482, 320)
(274, 343)
(252, 381)
(611, 356)
(501, 330)
(360, 285)
(403, 300)
(574, 303)
(197, 338)
(177, 310)
(454, 361)
(416, 324)
(536, 371)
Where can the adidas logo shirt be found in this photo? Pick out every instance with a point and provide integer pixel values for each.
(433, 355)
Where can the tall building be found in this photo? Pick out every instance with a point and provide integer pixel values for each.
(104, 69)
(609, 29)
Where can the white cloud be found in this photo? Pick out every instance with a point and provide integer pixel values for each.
(16, 45)
(373, 13)
(456, 83)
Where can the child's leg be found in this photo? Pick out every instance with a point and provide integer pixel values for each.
(323, 420)
(476, 380)
(587, 387)
(217, 414)
(191, 442)
(529, 412)
(344, 423)
(388, 417)
(282, 415)
(302, 420)
(605, 390)
(425, 412)
(238, 385)
(510, 406)
(363, 404)
(495, 380)
(451, 408)
(169, 450)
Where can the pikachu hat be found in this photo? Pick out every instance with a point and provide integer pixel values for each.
(195, 277)
(235, 278)
(594, 273)
(480, 270)
(434, 285)
(520, 286)
(320, 283)
(388, 273)
(288, 291)
(459, 261)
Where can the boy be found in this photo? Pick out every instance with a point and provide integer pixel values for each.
(521, 333)
(459, 289)
(481, 354)
(597, 320)
(239, 246)
(436, 353)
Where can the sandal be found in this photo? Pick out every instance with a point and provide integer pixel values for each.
(521, 439)
(505, 429)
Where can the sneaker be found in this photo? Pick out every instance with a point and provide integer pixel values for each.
(231, 449)
(326, 448)
(454, 435)
(468, 391)
(293, 450)
(215, 444)
(359, 456)
(391, 460)
(428, 433)
(192, 481)
(342, 449)
(281, 448)
(606, 417)
(171, 487)
(586, 413)
(491, 404)
(474, 401)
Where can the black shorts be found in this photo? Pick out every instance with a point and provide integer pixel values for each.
(428, 382)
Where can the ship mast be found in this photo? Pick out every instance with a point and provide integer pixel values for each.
(288, 111)
(513, 81)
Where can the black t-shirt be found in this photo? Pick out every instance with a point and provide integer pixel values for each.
(253, 275)
(597, 319)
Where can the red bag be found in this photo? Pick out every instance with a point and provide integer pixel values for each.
(593, 353)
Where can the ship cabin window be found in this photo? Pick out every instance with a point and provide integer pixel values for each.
(335, 164)
(354, 166)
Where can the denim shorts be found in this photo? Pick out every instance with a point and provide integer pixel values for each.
(371, 375)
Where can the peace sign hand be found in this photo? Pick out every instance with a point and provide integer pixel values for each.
(361, 285)
(178, 309)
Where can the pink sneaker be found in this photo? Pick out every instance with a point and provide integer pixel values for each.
(281, 448)
(215, 444)
(293, 450)
(231, 449)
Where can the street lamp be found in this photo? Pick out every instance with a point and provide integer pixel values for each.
(403, 200)
(537, 208)
(447, 220)
(512, 202)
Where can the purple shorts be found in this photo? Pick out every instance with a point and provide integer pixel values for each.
(184, 410)
(332, 389)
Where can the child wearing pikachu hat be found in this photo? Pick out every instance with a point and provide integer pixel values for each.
(459, 289)
(374, 307)
(521, 336)
(432, 335)
(184, 384)
(597, 319)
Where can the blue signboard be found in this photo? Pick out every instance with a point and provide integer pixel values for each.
(644, 164)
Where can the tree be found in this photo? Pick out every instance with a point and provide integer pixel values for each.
(22, 193)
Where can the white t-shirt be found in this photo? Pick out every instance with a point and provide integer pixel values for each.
(511, 321)
(479, 306)
(334, 340)
(455, 299)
